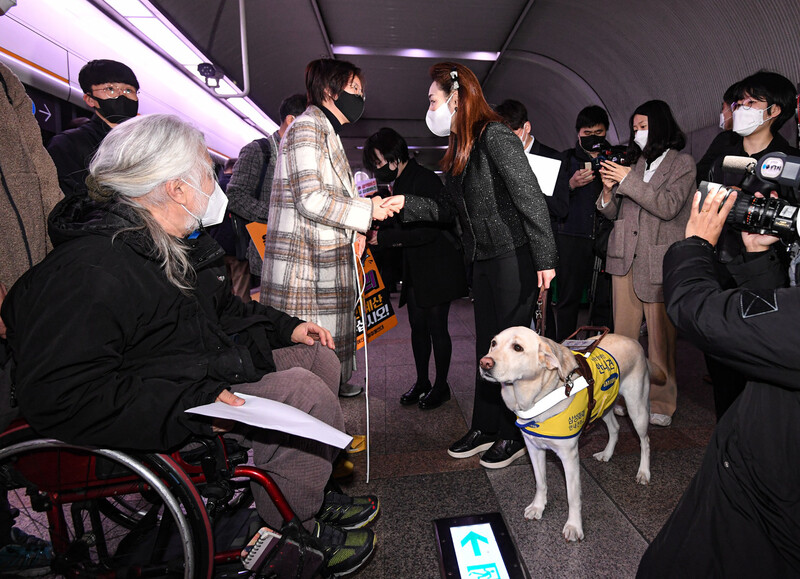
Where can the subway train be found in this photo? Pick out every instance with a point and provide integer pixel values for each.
(225, 66)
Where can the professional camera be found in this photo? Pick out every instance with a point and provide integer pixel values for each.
(615, 153)
(765, 215)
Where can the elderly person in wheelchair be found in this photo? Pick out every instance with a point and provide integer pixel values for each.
(130, 321)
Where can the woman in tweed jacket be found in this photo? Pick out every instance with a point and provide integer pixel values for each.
(315, 214)
(651, 203)
(507, 237)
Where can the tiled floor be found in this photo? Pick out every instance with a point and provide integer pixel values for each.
(418, 482)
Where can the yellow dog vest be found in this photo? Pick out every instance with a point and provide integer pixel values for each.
(569, 423)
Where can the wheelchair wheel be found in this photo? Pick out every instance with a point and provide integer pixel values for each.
(95, 512)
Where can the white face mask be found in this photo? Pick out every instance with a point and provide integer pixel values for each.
(746, 121)
(439, 120)
(722, 120)
(215, 210)
(640, 138)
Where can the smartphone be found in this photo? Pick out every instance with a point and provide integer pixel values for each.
(587, 166)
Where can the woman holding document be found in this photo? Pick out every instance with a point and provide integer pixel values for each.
(506, 232)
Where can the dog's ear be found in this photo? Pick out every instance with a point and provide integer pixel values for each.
(549, 359)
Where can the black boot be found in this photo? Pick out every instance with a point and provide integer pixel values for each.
(415, 393)
(435, 398)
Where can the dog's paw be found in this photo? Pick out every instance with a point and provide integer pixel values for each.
(603, 456)
(534, 510)
(573, 532)
(643, 477)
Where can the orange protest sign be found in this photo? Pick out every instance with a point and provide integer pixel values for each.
(258, 231)
(377, 307)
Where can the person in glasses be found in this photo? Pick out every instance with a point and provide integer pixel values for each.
(109, 88)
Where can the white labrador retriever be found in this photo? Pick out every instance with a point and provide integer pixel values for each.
(529, 367)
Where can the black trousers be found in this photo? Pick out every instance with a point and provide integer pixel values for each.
(504, 289)
(576, 261)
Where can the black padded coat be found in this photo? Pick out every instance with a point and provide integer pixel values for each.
(109, 353)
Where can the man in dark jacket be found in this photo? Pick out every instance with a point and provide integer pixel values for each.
(110, 88)
(764, 101)
(130, 321)
(575, 233)
(740, 516)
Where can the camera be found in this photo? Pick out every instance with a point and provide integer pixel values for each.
(614, 153)
(765, 215)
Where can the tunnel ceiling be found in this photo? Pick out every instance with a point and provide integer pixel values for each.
(557, 56)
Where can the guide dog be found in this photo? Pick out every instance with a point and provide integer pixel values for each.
(529, 367)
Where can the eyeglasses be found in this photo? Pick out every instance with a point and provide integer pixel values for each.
(357, 90)
(747, 104)
(113, 92)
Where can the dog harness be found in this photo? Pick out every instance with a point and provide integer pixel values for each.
(569, 423)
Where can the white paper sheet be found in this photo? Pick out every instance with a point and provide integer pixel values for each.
(546, 171)
(273, 415)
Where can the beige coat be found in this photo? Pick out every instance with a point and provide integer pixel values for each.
(28, 186)
(314, 214)
(652, 216)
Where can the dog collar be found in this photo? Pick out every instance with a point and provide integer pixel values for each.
(553, 398)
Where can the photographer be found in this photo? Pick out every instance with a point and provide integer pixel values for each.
(764, 101)
(650, 205)
(740, 516)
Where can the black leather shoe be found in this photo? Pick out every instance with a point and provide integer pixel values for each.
(472, 443)
(502, 453)
(437, 396)
(415, 393)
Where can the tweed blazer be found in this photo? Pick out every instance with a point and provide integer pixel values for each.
(29, 186)
(314, 213)
(652, 216)
(497, 200)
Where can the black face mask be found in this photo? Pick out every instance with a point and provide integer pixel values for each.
(592, 143)
(385, 174)
(351, 105)
(118, 110)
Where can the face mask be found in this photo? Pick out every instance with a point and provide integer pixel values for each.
(118, 110)
(385, 174)
(592, 143)
(745, 121)
(215, 210)
(640, 138)
(351, 105)
(722, 120)
(438, 121)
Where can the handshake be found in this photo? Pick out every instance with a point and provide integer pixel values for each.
(383, 208)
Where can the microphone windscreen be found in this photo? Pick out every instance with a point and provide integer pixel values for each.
(738, 164)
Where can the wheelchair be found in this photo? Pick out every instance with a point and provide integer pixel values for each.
(109, 514)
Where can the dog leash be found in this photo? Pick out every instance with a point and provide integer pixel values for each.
(540, 317)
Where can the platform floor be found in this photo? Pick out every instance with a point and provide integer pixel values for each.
(418, 482)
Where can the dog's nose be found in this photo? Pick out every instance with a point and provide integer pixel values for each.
(487, 363)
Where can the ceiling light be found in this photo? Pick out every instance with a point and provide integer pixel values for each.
(415, 53)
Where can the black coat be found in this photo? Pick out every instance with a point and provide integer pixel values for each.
(110, 353)
(558, 202)
(740, 516)
(497, 200)
(72, 151)
(582, 217)
(433, 261)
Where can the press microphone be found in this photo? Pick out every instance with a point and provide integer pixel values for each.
(738, 164)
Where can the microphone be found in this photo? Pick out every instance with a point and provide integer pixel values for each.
(738, 164)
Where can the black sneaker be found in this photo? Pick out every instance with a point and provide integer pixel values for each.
(502, 453)
(472, 443)
(348, 512)
(346, 550)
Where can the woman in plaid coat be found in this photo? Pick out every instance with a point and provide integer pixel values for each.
(315, 215)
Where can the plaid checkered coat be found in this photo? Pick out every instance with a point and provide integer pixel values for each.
(314, 214)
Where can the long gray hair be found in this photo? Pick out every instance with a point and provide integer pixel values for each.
(133, 165)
